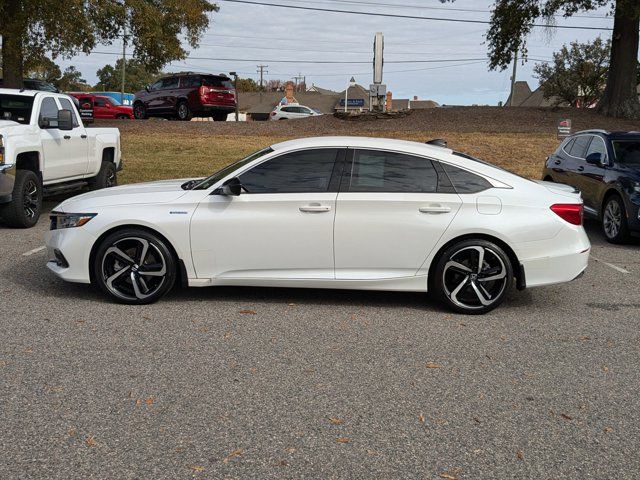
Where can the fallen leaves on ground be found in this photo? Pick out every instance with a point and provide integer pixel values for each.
(422, 419)
(520, 455)
(450, 474)
(197, 468)
(149, 401)
(248, 312)
(565, 416)
(433, 365)
(343, 440)
(232, 455)
(91, 441)
(335, 421)
(608, 430)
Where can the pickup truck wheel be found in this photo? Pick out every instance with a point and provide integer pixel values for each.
(24, 209)
(183, 112)
(139, 111)
(134, 266)
(106, 177)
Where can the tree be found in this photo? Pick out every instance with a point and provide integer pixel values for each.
(577, 74)
(33, 28)
(43, 69)
(137, 76)
(247, 85)
(71, 80)
(512, 21)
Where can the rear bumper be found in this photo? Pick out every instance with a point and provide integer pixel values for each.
(7, 179)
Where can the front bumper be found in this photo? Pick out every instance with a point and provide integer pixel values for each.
(7, 179)
(73, 245)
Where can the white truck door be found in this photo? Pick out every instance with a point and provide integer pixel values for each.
(65, 152)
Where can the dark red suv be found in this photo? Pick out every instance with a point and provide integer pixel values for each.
(184, 95)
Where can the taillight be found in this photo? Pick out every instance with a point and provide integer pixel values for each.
(569, 212)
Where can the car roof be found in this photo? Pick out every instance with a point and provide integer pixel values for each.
(23, 92)
(362, 142)
(610, 134)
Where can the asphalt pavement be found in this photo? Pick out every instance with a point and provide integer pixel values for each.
(284, 383)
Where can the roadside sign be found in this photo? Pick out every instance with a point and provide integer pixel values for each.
(353, 102)
(564, 128)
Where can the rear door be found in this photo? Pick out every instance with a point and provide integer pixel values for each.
(169, 95)
(592, 176)
(153, 98)
(575, 160)
(101, 108)
(390, 215)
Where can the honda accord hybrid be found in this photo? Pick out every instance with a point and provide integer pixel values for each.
(328, 212)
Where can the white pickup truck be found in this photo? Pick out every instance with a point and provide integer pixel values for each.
(45, 149)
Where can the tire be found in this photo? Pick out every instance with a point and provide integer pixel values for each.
(107, 177)
(122, 117)
(134, 266)
(462, 286)
(140, 111)
(183, 112)
(24, 209)
(614, 220)
(220, 116)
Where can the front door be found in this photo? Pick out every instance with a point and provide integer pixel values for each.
(389, 216)
(280, 227)
(65, 152)
(591, 181)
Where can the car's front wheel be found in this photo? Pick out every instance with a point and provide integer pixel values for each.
(24, 209)
(614, 220)
(472, 276)
(134, 266)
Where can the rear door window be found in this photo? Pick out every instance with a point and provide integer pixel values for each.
(380, 171)
(171, 82)
(579, 147)
(597, 146)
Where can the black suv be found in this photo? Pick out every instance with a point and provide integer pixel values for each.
(605, 167)
(184, 95)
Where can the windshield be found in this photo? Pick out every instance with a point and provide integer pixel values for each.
(627, 151)
(219, 175)
(16, 107)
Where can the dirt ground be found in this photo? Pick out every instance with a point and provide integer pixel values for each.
(518, 139)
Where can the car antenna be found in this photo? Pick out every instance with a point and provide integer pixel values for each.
(438, 142)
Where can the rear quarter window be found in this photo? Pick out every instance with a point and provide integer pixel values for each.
(464, 181)
(579, 147)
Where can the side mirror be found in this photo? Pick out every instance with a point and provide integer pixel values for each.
(595, 158)
(147, 88)
(231, 188)
(65, 120)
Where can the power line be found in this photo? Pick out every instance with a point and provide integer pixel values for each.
(411, 17)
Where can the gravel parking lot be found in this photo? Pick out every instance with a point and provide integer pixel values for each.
(278, 383)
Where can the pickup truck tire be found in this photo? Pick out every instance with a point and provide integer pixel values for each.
(139, 111)
(26, 205)
(134, 266)
(106, 177)
(183, 112)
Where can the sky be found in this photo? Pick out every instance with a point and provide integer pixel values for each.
(287, 40)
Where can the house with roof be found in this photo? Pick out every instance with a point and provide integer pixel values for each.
(523, 96)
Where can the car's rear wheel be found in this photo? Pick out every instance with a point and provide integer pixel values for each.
(134, 266)
(140, 111)
(220, 116)
(183, 112)
(24, 209)
(106, 178)
(473, 276)
(614, 220)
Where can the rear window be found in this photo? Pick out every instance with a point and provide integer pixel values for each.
(217, 82)
(627, 151)
(16, 107)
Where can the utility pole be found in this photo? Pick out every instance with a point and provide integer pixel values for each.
(298, 78)
(513, 76)
(261, 70)
(124, 60)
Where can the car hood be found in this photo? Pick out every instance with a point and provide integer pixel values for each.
(140, 193)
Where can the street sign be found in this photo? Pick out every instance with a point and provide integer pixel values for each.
(564, 128)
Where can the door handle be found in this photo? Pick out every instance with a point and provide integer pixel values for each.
(67, 137)
(83, 136)
(557, 162)
(435, 209)
(581, 169)
(315, 208)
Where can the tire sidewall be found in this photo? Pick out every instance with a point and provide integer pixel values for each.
(623, 232)
(437, 283)
(15, 213)
(139, 111)
(100, 182)
(152, 238)
(182, 106)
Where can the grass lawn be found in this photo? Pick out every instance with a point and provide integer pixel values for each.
(151, 155)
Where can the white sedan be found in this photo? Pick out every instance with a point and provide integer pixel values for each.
(329, 212)
(292, 112)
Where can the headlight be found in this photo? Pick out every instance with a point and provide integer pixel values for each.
(69, 220)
